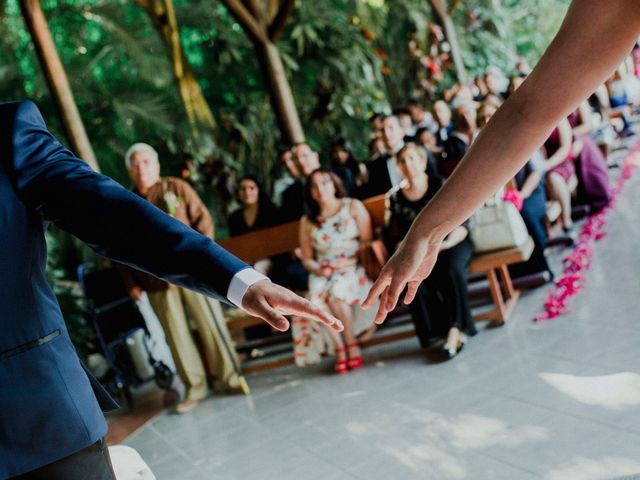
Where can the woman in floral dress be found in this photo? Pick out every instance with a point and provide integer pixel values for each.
(331, 235)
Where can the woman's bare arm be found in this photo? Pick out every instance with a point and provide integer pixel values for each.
(593, 40)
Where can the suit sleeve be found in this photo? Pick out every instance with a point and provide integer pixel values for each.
(113, 221)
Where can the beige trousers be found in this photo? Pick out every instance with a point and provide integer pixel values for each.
(172, 307)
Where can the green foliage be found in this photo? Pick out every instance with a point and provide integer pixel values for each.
(498, 32)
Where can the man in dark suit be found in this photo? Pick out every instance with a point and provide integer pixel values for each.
(51, 423)
(293, 202)
(383, 171)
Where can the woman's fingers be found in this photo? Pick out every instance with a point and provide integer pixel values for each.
(382, 312)
(377, 289)
(393, 294)
(412, 289)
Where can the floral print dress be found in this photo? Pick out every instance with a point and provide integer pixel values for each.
(336, 242)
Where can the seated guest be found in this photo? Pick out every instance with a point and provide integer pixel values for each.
(376, 148)
(331, 235)
(459, 139)
(442, 114)
(172, 304)
(256, 212)
(427, 139)
(619, 100)
(376, 124)
(441, 306)
(346, 166)
(515, 83)
(591, 164)
(462, 96)
(306, 161)
(420, 117)
(561, 177)
(289, 175)
(383, 172)
(406, 123)
(493, 79)
(480, 90)
(530, 184)
(561, 171)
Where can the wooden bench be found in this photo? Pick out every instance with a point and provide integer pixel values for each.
(268, 242)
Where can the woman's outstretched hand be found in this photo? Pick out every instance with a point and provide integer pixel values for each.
(408, 267)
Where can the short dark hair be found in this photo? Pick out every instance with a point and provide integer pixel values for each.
(375, 115)
(282, 149)
(400, 111)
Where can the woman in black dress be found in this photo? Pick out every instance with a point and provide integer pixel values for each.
(257, 210)
(441, 306)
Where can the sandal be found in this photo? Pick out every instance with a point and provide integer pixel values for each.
(354, 362)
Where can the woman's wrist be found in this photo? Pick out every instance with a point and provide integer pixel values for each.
(431, 233)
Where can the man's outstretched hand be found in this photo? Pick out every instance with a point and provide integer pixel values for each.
(272, 302)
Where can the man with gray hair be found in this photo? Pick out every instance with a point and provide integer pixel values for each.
(171, 303)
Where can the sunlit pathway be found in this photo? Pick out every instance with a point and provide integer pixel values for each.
(556, 400)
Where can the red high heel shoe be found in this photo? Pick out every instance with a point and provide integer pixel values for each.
(354, 362)
(341, 365)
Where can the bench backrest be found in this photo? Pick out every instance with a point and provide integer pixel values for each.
(268, 242)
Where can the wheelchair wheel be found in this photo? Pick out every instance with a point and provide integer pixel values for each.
(121, 393)
(162, 375)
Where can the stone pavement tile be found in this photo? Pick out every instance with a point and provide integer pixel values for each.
(152, 446)
(278, 459)
(428, 462)
(569, 438)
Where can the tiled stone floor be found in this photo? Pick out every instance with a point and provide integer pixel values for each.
(523, 401)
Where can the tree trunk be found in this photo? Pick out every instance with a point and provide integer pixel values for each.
(264, 24)
(163, 18)
(284, 105)
(57, 80)
(440, 9)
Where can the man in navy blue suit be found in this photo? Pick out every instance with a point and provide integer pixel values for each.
(51, 421)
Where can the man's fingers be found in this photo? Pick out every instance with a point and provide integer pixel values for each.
(301, 307)
(272, 316)
(412, 289)
(376, 290)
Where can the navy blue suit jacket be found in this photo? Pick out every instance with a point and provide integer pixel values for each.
(50, 406)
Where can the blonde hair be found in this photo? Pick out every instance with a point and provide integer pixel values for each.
(411, 147)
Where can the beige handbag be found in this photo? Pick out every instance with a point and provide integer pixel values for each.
(497, 225)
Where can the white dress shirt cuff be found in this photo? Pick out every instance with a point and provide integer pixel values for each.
(240, 283)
